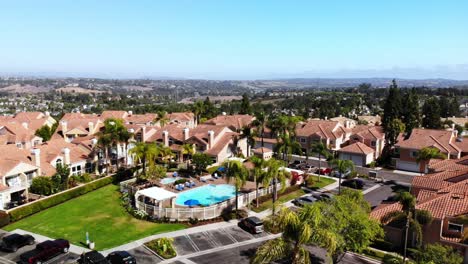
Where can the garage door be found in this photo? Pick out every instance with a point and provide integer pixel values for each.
(357, 160)
(407, 166)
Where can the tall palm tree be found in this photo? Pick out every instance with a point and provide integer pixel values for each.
(144, 152)
(257, 172)
(342, 167)
(287, 146)
(164, 153)
(104, 143)
(124, 136)
(411, 218)
(189, 150)
(198, 110)
(260, 122)
(322, 151)
(237, 172)
(117, 132)
(298, 230)
(249, 135)
(275, 173)
(426, 154)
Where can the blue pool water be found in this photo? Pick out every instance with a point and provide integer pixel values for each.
(207, 194)
(168, 180)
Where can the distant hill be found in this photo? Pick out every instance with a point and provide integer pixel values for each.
(353, 82)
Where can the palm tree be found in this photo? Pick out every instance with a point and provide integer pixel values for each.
(275, 173)
(104, 143)
(260, 122)
(257, 172)
(236, 171)
(162, 118)
(298, 230)
(164, 152)
(287, 146)
(124, 136)
(198, 110)
(144, 152)
(189, 150)
(342, 167)
(322, 151)
(426, 154)
(411, 218)
(249, 135)
(117, 132)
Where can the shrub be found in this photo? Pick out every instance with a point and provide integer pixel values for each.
(383, 245)
(163, 247)
(42, 185)
(229, 213)
(288, 190)
(32, 208)
(391, 259)
(85, 178)
(193, 221)
(4, 219)
(179, 181)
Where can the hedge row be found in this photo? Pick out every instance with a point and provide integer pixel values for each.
(27, 210)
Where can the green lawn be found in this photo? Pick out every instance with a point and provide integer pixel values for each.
(316, 184)
(293, 195)
(98, 212)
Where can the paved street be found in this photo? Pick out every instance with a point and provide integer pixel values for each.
(384, 192)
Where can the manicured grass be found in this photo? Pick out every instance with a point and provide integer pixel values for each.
(99, 213)
(281, 199)
(319, 184)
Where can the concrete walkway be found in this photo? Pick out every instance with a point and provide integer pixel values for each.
(183, 232)
(40, 238)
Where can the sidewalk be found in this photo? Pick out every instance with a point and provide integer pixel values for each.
(188, 231)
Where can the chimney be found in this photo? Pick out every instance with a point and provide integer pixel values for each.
(210, 139)
(223, 113)
(326, 118)
(91, 127)
(25, 125)
(36, 159)
(64, 127)
(130, 112)
(47, 113)
(94, 141)
(166, 138)
(143, 134)
(66, 154)
(186, 133)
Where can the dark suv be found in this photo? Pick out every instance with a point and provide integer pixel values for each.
(252, 224)
(15, 241)
(121, 257)
(45, 251)
(92, 257)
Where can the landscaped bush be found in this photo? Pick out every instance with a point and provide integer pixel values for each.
(230, 213)
(391, 259)
(383, 245)
(193, 221)
(163, 247)
(27, 210)
(179, 181)
(41, 185)
(4, 219)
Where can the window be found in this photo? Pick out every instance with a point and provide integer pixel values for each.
(19, 145)
(413, 154)
(303, 140)
(58, 162)
(455, 227)
(373, 143)
(356, 139)
(331, 142)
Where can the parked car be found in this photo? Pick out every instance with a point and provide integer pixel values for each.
(45, 251)
(322, 196)
(325, 171)
(306, 167)
(252, 224)
(302, 201)
(92, 257)
(121, 257)
(354, 183)
(15, 241)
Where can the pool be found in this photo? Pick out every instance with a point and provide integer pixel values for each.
(168, 180)
(207, 194)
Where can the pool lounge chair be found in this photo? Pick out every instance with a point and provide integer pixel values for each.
(202, 179)
(193, 184)
(187, 184)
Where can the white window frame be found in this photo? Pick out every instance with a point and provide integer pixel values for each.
(456, 229)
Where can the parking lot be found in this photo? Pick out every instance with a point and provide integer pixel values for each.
(14, 257)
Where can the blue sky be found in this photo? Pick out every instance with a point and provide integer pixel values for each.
(236, 39)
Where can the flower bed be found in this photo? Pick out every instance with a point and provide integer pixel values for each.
(163, 247)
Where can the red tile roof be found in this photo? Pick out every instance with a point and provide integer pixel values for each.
(357, 148)
(421, 138)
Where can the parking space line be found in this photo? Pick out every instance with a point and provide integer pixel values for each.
(212, 240)
(229, 235)
(192, 243)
